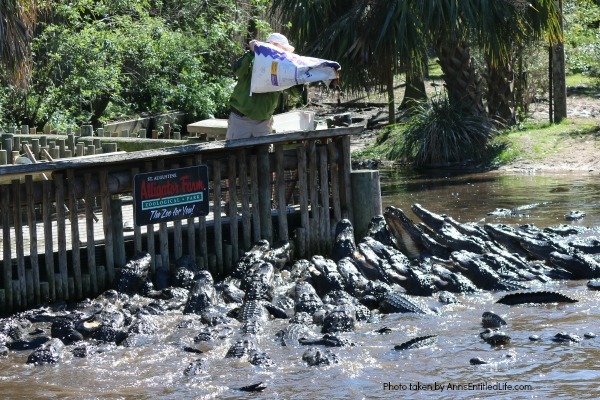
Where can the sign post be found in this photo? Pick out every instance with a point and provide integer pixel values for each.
(171, 195)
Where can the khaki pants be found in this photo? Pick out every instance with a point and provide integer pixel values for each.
(239, 127)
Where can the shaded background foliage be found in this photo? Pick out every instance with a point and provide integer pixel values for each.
(96, 60)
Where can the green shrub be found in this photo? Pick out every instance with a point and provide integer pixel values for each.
(438, 133)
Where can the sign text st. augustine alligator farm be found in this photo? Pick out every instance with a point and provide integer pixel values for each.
(175, 194)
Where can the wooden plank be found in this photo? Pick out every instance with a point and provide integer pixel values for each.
(137, 230)
(109, 264)
(313, 191)
(346, 165)
(75, 253)
(48, 242)
(176, 151)
(91, 249)
(116, 212)
(33, 244)
(313, 176)
(202, 237)
(264, 193)
(151, 249)
(233, 215)
(244, 192)
(303, 200)
(255, 199)
(61, 234)
(177, 232)
(6, 252)
(19, 242)
(218, 229)
(163, 233)
(191, 230)
(281, 199)
(324, 192)
(335, 182)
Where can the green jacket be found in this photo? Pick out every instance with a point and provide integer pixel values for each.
(259, 106)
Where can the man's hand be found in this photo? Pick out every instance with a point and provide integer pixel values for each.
(252, 43)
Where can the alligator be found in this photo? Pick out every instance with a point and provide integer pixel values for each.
(495, 337)
(343, 245)
(307, 299)
(327, 340)
(563, 337)
(476, 269)
(315, 357)
(379, 231)
(202, 295)
(185, 272)
(325, 275)
(255, 387)
(580, 265)
(418, 343)
(134, 275)
(340, 319)
(354, 282)
(406, 235)
(575, 215)
(492, 320)
(534, 297)
(196, 367)
(394, 302)
(431, 219)
(50, 352)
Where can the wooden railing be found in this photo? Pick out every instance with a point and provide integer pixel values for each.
(67, 225)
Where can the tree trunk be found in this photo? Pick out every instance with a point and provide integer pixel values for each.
(391, 99)
(461, 79)
(500, 95)
(559, 85)
(415, 91)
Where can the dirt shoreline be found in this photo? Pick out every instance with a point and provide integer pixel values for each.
(574, 154)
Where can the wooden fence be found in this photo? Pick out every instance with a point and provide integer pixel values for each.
(67, 225)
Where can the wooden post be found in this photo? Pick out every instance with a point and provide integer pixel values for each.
(304, 241)
(61, 234)
(108, 231)
(264, 193)
(6, 251)
(281, 200)
(48, 246)
(150, 233)
(324, 189)
(366, 197)
(218, 232)
(245, 199)
(33, 251)
(256, 229)
(233, 216)
(75, 253)
(89, 223)
(116, 211)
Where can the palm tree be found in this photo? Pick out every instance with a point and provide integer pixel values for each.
(17, 19)
(375, 39)
(372, 40)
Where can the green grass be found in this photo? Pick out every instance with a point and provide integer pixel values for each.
(581, 80)
(536, 140)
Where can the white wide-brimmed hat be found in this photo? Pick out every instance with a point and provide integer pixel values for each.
(281, 40)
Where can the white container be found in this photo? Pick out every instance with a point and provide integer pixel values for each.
(294, 121)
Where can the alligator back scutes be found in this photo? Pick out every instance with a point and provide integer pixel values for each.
(535, 297)
(395, 302)
(417, 343)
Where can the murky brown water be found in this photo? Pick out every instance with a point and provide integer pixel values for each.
(544, 369)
